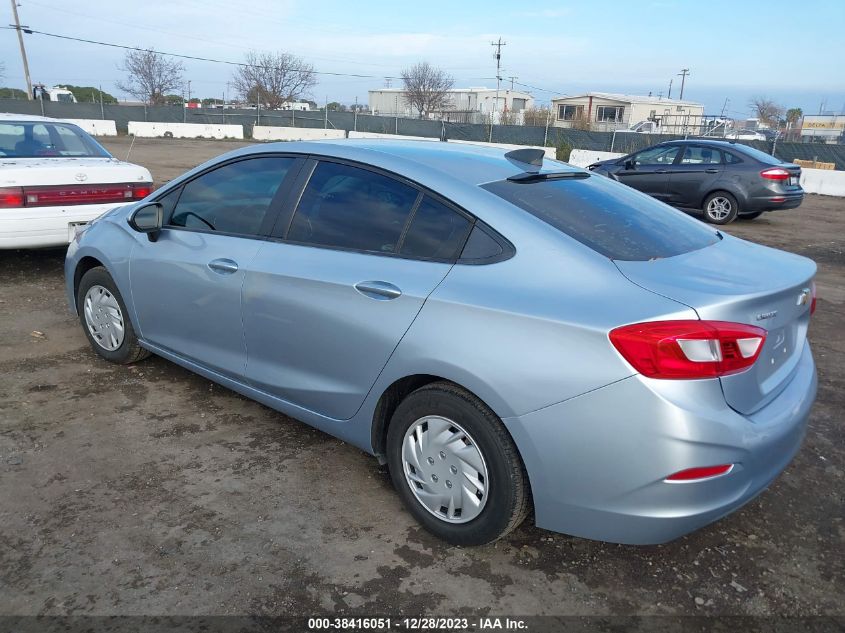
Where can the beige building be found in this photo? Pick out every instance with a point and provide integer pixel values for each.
(605, 111)
(472, 101)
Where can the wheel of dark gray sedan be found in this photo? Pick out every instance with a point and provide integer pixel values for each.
(720, 208)
(105, 319)
(455, 466)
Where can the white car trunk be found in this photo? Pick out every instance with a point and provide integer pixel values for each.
(23, 172)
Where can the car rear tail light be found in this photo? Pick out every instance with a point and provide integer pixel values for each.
(697, 474)
(813, 302)
(11, 197)
(775, 173)
(688, 349)
(60, 195)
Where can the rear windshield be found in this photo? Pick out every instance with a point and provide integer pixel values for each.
(37, 139)
(763, 157)
(609, 217)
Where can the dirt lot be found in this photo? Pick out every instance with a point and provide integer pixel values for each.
(149, 490)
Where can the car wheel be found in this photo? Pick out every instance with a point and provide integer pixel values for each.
(105, 319)
(455, 466)
(750, 216)
(720, 208)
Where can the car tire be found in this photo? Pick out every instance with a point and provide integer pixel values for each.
(445, 446)
(720, 207)
(105, 319)
(751, 216)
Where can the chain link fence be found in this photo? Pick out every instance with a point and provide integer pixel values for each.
(564, 139)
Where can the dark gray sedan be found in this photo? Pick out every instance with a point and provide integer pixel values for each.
(725, 180)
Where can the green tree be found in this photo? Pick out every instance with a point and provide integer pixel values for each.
(334, 106)
(12, 93)
(211, 101)
(174, 100)
(89, 94)
(793, 114)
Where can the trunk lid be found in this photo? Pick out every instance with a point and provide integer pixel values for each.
(28, 172)
(741, 282)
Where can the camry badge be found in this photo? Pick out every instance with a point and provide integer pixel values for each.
(803, 297)
(81, 177)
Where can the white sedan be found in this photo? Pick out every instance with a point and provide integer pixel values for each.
(54, 177)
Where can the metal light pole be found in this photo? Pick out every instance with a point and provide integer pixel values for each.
(498, 46)
(18, 27)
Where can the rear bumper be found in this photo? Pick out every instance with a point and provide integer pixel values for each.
(774, 202)
(35, 227)
(597, 463)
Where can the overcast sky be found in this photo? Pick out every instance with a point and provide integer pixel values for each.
(792, 52)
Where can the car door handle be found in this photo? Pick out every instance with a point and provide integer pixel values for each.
(378, 290)
(223, 266)
(662, 171)
(711, 171)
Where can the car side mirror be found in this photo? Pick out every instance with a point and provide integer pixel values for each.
(148, 219)
(630, 164)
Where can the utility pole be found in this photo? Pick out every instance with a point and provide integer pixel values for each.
(684, 72)
(512, 80)
(724, 107)
(23, 50)
(670, 88)
(498, 46)
(387, 81)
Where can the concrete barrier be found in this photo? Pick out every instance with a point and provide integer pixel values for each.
(823, 181)
(147, 129)
(396, 137)
(549, 151)
(584, 157)
(271, 133)
(95, 127)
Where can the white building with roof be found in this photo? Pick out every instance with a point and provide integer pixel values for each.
(604, 111)
(392, 102)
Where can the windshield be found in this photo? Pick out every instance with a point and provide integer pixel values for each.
(610, 218)
(38, 139)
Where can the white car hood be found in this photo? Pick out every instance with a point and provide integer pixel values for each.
(22, 172)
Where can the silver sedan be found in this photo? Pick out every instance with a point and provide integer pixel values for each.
(507, 333)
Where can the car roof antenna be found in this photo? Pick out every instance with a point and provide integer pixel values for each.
(529, 156)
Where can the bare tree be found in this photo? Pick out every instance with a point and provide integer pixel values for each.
(766, 110)
(273, 78)
(426, 88)
(150, 75)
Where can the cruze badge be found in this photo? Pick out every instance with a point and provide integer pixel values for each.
(767, 315)
(803, 297)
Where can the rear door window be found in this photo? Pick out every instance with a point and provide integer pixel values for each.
(353, 208)
(657, 155)
(699, 155)
(610, 218)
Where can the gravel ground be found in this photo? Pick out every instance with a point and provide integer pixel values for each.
(149, 490)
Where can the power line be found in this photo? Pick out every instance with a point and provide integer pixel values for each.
(30, 31)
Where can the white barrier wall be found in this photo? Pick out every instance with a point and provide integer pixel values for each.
(584, 157)
(95, 127)
(393, 136)
(827, 182)
(549, 151)
(148, 129)
(270, 133)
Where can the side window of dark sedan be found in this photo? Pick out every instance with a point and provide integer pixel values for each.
(657, 156)
(348, 207)
(234, 198)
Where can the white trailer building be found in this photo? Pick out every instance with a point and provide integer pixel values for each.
(479, 101)
(605, 111)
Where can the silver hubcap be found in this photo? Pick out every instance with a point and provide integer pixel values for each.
(445, 469)
(103, 318)
(719, 208)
